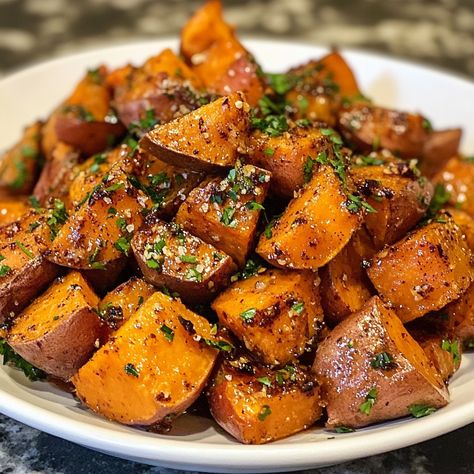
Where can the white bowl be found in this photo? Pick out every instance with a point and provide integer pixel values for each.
(197, 443)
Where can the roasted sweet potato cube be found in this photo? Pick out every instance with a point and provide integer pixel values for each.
(426, 270)
(155, 366)
(399, 195)
(163, 88)
(171, 257)
(225, 212)
(466, 223)
(86, 120)
(368, 127)
(440, 146)
(345, 286)
(209, 138)
(215, 54)
(457, 176)
(20, 164)
(58, 332)
(263, 405)
(385, 375)
(24, 272)
(461, 313)
(275, 313)
(288, 157)
(122, 302)
(12, 209)
(315, 226)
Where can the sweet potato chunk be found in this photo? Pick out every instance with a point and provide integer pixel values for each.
(461, 313)
(440, 146)
(225, 212)
(11, 209)
(398, 194)
(257, 405)
(24, 272)
(209, 138)
(466, 223)
(424, 271)
(19, 165)
(85, 120)
(57, 333)
(217, 56)
(385, 372)
(287, 157)
(154, 366)
(344, 284)
(275, 313)
(121, 303)
(164, 88)
(369, 127)
(315, 226)
(458, 178)
(171, 257)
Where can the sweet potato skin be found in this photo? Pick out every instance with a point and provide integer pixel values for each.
(206, 211)
(409, 379)
(163, 374)
(466, 223)
(275, 313)
(66, 328)
(254, 413)
(315, 226)
(173, 258)
(209, 138)
(424, 271)
(440, 146)
(461, 313)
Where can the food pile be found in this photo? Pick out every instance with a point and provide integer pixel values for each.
(276, 244)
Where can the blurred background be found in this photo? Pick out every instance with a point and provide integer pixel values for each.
(440, 32)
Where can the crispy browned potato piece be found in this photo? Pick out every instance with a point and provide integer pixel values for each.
(257, 405)
(122, 302)
(24, 272)
(171, 257)
(162, 89)
(275, 313)
(225, 212)
(345, 286)
(85, 120)
(57, 174)
(20, 164)
(385, 373)
(435, 335)
(440, 146)
(458, 178)
(424, 271)
(398, 194)
(104, 278)
(12, 208)
(99, 232)
(368, 127)
(58, 332)
(465, 222)
(215, 54)
(315, 226)
(155, 366)
(287, 156)
(209, 138)
(461, 313)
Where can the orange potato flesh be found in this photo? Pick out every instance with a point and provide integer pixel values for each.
(254, 413)
(122, 302)
(400, 197)
(458, 178)
(58, 331)
(220, 211)
(314, 228)
(208, 138)
(275, 313)
(285, 156)
(462, 313)
(173, 258)
(466, 223)
(424, 271)
(151, 368)
(217, 56)
(345, 368)
(11, 209)
(19, 165)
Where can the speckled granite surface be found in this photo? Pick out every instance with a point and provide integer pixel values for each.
(438, 32)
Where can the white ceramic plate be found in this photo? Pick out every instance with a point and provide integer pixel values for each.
(196, 443)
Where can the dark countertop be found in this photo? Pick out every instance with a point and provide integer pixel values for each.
(437, 32)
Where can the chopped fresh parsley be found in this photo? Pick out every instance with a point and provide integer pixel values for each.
(34, 203)
(418, 411)
(168, 332)
(227, 217)
(273, 125)
(22, 247)
(370, 400)
(368, 161)
(308, 169)
(188, 258)
(122, 244)
(57, 217)
(130, 369)
(223, 346)
(298, 307)
(440, 197)
(4, 269)
(29, 151)
(281, 83)
(265, 381)
(382, 360)
(254, 206)
(269, 151)
(21, 176)
(453, 348)
(426, 124)
(356, 203)
(344, 429)
(98, 159)
(10, 357)
(193, 275)
(264, 412)
(248, 314)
